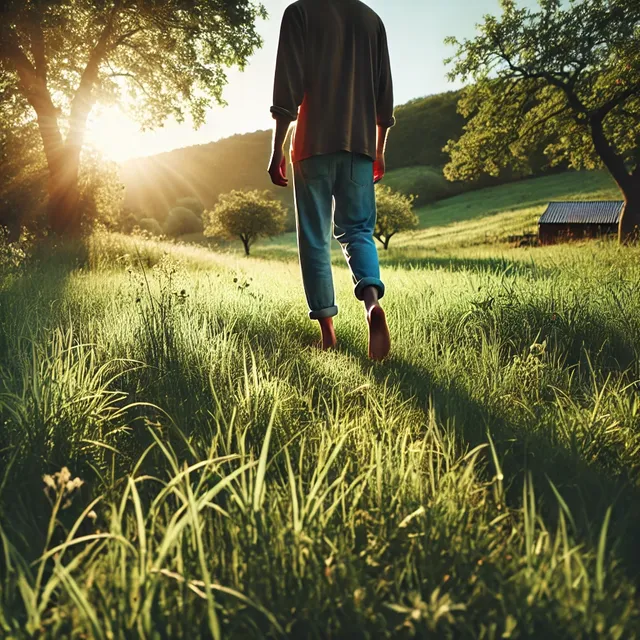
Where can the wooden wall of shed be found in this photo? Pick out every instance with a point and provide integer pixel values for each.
(554, 233)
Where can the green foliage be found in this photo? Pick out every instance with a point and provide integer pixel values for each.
(567, 74)
(181, 221)
(101, 192)
(165, 58)
(394, 214)
(247, 215)
(23, 178)
(152, 226)
(193, 204)
(161, 59)
(423, 127)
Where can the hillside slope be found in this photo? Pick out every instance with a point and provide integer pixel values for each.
(153, 184)
(477, 221)
(414, 154)
(414, 161)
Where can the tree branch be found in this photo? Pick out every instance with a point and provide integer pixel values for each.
(566, 87)
(10, 50)
(617, 100)
(38, 50)
(541, 121)
(130, 76)
(124, 37)
(82, 101)
(33, 87)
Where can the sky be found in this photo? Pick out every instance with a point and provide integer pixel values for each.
(416, 30)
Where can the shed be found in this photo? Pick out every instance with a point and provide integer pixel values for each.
(572, 220)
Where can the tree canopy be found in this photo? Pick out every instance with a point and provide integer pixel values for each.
(395, 214)
(246, 215)
(158, 58)
(568, 74)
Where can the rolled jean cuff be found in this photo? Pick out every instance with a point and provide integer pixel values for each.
(327, 312)
(369, 282)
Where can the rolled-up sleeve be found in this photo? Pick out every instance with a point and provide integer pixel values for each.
(384, 104)
(288, 91)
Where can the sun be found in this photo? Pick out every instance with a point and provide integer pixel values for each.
(115, 135)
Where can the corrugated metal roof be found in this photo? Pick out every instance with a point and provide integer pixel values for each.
(598, 212)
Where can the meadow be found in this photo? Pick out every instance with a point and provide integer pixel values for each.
(237, 482)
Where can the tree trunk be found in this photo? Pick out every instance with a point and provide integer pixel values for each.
(63, 161)
(629, 224)
(64, 198)
(629, 228)
(386, 244)
(247, 246)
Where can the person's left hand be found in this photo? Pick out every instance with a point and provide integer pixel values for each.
(278, 168)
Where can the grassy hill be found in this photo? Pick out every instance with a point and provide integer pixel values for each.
(484, 217)
(154, 184)
(415, 160)
(481, 482)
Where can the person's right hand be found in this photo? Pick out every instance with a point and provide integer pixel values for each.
(378, 169)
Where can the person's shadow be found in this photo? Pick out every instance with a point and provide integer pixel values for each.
(587, 488)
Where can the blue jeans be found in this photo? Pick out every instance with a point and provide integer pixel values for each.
(340, 184)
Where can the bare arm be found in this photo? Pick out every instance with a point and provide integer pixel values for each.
(288, 91)
(278, 164)
(379, 166)
(384, 106)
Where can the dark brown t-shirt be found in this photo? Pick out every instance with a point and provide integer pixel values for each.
(333, 76)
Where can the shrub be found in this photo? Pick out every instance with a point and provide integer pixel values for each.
(151, 225)
(181, 221)
(395, 214)
(247, 215)
(191, 203)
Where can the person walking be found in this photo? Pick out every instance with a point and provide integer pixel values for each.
(333, 79)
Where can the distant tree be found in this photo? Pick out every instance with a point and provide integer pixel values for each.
(191, 203)
(567, 71)
(151, 225)
(163, 57)
(181, 221)
(128, 220)
(247, 215)
(395, 214)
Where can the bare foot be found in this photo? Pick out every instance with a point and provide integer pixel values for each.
(329, 340)
(379, 336)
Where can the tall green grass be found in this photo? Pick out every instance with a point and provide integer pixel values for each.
(481, 483)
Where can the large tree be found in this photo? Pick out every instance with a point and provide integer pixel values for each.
(567, 73)
(159, 57)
